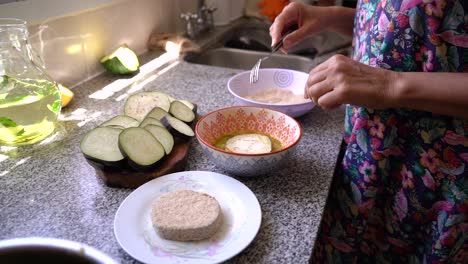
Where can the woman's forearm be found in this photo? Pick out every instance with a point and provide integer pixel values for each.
(442, 93)
(342, 20)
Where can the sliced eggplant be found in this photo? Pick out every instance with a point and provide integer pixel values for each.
(116, 126)
(138, 105)
(157, 113)
(95, 164)
(181, 111)
(188, 103)
(121, 121)
(194, 109)
(249, 144)
(141, 148)
(171, 98)
(101, 145)
(177, 127)
(163, 136)
(150, 121)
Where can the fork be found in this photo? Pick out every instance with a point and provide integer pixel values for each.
(256, 67)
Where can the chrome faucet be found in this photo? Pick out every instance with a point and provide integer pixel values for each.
(200, 22)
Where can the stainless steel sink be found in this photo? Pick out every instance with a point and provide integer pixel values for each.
(241, 46)
(245, 59)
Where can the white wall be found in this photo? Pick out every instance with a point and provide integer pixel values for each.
(72, 35)
(34, 11)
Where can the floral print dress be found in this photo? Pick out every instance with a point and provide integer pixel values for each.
(401, 192)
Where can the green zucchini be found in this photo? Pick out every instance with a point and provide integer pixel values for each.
(121, 60)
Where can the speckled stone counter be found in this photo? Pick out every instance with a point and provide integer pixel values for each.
(49, 190)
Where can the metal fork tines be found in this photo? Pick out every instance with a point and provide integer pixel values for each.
(256, 67)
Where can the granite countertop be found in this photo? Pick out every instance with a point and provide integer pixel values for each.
(49, 190)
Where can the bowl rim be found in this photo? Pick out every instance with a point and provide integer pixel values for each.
(243, 154)
(60, 244)
(261, 103)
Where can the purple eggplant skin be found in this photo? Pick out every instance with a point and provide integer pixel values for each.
(140, 168)
(177, 134)
(95, 164)
(98, 138)
(103, 165)
(181, 111)
(192, 124)
(132, 163)
(195, 108)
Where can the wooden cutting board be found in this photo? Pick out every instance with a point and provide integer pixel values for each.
(129, 178)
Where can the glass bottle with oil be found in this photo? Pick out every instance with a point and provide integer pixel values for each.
(29, 99)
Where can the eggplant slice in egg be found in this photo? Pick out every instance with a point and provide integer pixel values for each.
(249, 144)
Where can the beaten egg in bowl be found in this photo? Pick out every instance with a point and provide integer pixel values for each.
(214, 130)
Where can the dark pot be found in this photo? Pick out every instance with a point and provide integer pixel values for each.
(50, 251)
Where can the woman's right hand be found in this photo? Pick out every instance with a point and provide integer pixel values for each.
(309, 19)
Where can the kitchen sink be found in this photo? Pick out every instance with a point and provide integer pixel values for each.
(246, 59)
(244, 44)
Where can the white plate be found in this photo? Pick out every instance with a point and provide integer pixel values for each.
(240, 208)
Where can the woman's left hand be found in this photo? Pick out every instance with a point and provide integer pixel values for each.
(341, 80)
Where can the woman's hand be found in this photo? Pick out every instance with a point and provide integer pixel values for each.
(310, 20)
(340, 80)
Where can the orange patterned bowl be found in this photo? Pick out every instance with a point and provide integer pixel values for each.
(248, 119)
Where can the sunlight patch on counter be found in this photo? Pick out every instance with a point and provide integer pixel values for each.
(3, 157)
(145, 70)
(164, 70)
(81, 115)
(6, 149)
(21, 161)
(137, 86)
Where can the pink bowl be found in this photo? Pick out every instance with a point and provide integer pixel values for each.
(230, 120)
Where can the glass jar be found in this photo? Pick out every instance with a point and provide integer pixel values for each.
(29, 99)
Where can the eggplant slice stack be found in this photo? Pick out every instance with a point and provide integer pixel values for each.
(143, 136)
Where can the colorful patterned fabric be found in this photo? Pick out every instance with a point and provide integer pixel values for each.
(400, 194)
